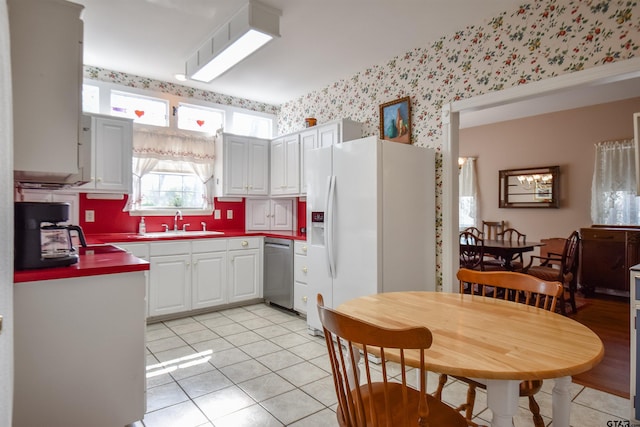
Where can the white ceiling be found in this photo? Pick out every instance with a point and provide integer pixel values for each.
(322, 41)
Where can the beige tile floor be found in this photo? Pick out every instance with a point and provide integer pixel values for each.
(258, 366)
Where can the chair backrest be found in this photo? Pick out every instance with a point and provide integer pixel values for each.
(512, 235)
(491, 229)
(473, 230)
(570, 254)
(511, 286)
(553, 247)
(471, 250)
(367, 402)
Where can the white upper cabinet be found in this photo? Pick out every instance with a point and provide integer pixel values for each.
(111, 148)
(324, 136)
(46, 62)
(269, 214)
(285, 166)
(241, 166)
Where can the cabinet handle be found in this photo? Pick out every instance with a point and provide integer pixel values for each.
(251, 187)
(245, 243)
(99, 179)
(304, 299)
(304, 269)
(304, 248)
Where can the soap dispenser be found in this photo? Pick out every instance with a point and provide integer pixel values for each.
(142, 228)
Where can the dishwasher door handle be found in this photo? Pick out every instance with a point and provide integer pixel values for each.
(277, 245)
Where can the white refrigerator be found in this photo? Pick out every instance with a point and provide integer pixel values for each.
(370, 221)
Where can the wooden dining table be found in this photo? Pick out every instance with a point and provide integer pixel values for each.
(507, 250)
(498, 342)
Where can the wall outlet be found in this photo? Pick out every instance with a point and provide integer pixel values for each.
(229, 214)
(89, 216)
(216, 214)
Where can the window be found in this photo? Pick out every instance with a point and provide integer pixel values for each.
(142, 109)
(252, 125)
(171, 170)
(468, 192)
(90, 98)
(171, 184)
(613, 190)
(199, 119)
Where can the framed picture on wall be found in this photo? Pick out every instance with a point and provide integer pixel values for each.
(395, 120)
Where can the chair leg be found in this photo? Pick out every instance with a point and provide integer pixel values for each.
(442, 380)
(471, 401)
(535, 410)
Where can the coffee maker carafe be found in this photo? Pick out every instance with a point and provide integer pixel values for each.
(40, 240)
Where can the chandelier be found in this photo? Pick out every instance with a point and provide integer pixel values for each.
(529, 182)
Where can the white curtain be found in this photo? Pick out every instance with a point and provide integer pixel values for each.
(468, 187)
(151, 146)
(613, 189)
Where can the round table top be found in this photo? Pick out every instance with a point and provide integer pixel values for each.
(488, 338)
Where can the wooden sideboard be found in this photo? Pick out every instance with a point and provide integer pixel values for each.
(607, 254)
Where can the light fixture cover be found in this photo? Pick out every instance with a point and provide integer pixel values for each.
(254, 25)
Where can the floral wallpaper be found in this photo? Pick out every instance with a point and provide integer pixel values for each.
(129, 80)
(542, 39)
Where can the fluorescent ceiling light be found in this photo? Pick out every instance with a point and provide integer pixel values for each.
(247, 31)
(236, 52)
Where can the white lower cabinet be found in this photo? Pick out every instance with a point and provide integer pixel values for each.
(208, 273)
(300, 288)
(187, 275)
(245, 269)
(169, 278)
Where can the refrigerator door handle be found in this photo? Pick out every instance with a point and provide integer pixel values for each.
(329, 229)
(326, 224)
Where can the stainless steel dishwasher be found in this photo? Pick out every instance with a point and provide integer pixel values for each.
(278, 272)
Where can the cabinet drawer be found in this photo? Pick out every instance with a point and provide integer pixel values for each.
(141, 250)
(300, 268)
(246, 243)
(300, 247)
(170, 248)
(300, 297)
(208, 245)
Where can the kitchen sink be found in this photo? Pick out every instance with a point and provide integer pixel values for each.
(180, 233)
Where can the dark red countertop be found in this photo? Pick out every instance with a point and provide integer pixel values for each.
(93, 261)
(133, 238)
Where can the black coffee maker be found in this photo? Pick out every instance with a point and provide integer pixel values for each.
(39, 240)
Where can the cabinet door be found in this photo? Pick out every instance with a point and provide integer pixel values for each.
(169, 284)
(278, 166)
(258, 213)
(292, 165)
(235, 165)
(281, 214)
(328, 135)
(308, 141)
(208, 279)
(258, 168)
(112, 151)
(244, 275)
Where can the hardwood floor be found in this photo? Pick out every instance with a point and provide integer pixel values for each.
(608, 317)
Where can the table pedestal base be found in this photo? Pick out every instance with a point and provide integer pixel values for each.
(561, 402)
(502, 398)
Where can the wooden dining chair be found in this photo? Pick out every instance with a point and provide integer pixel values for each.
(491, 229)
(514, 236)
(389, 401)
(560, 267)
(516, 287)
(471, 251)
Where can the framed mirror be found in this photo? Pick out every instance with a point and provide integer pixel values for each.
(529, 188)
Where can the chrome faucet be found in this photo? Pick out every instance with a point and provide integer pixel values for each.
(175, 220)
